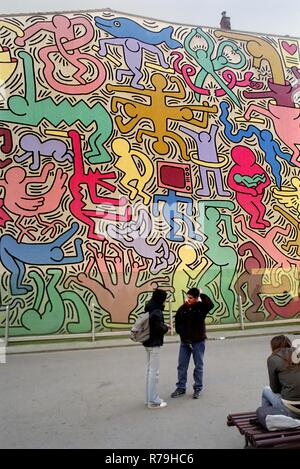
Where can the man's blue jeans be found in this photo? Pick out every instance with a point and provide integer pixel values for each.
(196, 349)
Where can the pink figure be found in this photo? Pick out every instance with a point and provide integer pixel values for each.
(7, 144)
(249, 180)
(19, 201)
(67, 43)
(288, 311)
(4, 217)
(267, 243)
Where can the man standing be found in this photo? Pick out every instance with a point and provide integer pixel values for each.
(190, 325)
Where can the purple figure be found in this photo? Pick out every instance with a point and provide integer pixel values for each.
(133, 58)
(34, 148)
(207, 159)
(284, 95)
(135, 235)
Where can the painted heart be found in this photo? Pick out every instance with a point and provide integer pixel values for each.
(289, 48)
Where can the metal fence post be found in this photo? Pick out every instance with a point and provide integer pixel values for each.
(171, 317)
(6, 332)
(4, 342)
(6, 325)
(93, 322)
(241, 312)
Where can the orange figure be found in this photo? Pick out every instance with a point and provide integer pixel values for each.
(159, 113)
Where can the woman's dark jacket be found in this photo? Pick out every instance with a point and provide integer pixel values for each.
(190, 320)
(284, 377)
(157, 326)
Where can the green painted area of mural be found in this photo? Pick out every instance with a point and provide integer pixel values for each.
(209, 65)
(224, 258)
(249, 181)
(27, 110)
(51, 318)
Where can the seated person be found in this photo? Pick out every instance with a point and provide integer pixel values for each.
(282, 397)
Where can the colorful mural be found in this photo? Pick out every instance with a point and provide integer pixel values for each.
(137, 154)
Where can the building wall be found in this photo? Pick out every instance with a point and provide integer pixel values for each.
(137, 154)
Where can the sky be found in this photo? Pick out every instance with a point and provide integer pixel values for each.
(276, 17)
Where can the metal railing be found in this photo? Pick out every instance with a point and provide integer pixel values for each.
(5, 308)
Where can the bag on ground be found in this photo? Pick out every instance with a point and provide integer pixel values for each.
(140, 331)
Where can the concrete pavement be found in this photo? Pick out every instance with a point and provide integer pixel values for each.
(95, 398)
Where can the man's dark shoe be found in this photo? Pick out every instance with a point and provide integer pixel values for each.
(178, 392)
(196, 395)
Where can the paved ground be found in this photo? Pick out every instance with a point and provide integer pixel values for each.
(95, 398)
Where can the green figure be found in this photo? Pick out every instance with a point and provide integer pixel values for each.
(209, 65)
(224, 258)
(51, 320)
(31, 112)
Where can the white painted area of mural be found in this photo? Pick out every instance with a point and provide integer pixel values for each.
(269, 16)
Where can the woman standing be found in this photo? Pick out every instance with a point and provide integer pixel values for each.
(152, 346)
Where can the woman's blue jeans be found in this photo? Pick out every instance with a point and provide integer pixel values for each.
(270, 398)
(196, 349)
(152, 376)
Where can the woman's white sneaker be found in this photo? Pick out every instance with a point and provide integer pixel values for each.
(157, 406)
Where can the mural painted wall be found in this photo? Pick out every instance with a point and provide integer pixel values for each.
(137, 154)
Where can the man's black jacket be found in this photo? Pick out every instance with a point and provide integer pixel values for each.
(190, 320)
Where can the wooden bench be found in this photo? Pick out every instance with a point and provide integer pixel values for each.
(257, 436)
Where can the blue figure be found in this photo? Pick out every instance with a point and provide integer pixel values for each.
(170, 212)
(265, 139)
(14, 256)
(134, 39)
(127, 28)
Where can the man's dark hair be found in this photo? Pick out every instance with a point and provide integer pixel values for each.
(159, 296)
(194, 292)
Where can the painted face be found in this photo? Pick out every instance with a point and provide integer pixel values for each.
(191, 300)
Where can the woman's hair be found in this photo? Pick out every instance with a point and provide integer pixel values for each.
(159, 296)
(280, 341)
